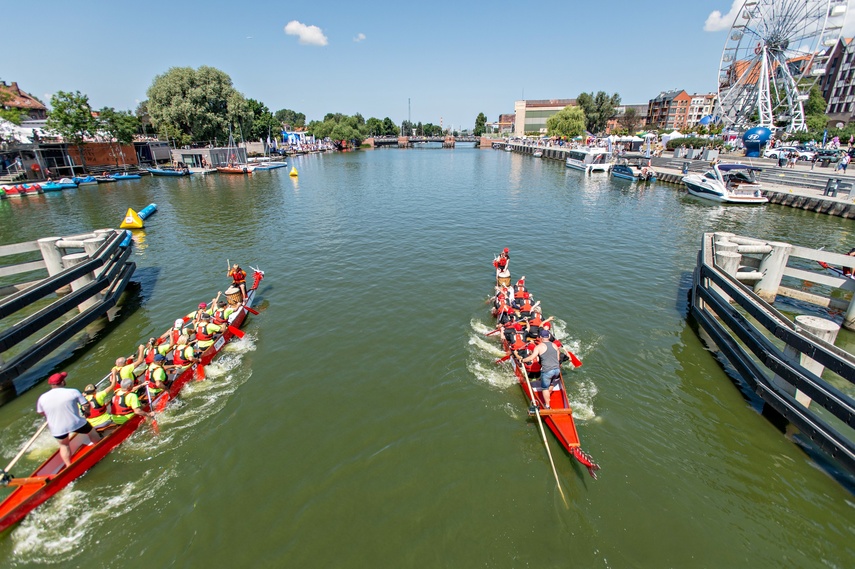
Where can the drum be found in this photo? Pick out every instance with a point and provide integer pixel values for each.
(233, 295)
(504, 278)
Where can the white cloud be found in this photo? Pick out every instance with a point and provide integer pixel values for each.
(717, 22)
(309, 35)
(359, 37)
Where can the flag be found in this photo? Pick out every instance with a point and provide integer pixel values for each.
(824, 136)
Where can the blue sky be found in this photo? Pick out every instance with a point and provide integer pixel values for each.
(452, 60)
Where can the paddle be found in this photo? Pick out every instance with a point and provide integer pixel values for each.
(576, 361)
(154, 426)
(23, 450)
(502, 359)
(493, 332)
(542, 431)
(251, 310)
(237, 332)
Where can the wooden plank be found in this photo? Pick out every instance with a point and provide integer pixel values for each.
(19, 248)
(22, 268)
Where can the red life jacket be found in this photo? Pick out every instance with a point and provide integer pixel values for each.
(119, 406)
(219, 316)
(202, 333)
(96, 410)
(239, 276)
(149, 355)
(518, 342)
(150, 383)
(176, 333)
(177, 356)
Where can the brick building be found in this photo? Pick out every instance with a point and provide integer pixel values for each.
(15, 98)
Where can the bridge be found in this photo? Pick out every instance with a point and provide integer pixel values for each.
(409, 141)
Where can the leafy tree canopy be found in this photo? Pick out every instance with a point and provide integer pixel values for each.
(262, 123)
(121, 125)
(290, 118)
(629, 120)
(480, 124)
(71, 116)
(195, 104)
(598, 109)
(569, 122)
(337, 126)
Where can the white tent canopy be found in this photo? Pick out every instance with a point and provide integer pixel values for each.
(12, 132)
(670, 135)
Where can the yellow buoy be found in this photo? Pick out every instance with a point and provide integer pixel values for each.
(293, 173)
(132, 220)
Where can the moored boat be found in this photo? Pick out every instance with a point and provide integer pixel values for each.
(551, 405)
(169, 172)
(126, 176)
(85, 180)
(537, 154)
(634, 168)
(727, 183)
(589, 160)
(52, 476)
(239, 169)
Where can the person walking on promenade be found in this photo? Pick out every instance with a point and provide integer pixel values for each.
(61, 407)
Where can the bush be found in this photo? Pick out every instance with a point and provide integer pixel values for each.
(695, 142)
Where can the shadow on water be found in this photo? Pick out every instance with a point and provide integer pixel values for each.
(80, 346)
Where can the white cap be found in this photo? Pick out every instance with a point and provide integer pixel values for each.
(179, 323)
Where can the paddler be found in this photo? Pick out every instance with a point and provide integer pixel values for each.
(99, 405)
(125, 368)
(155, 377)
(61, 407)
(126, 403)
(205, 332)
(238, 276)
(183, 354)
(550, 370)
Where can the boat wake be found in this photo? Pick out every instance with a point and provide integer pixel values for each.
(74, 519)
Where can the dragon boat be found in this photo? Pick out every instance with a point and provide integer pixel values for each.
(52, 476)
(558, 415)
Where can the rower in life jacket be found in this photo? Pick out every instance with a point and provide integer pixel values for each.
(150, 351)
(155, 378)
(183, 354)
(206, 332)
(99, 405)
(501, 262)
(238, 276)
(126, 403)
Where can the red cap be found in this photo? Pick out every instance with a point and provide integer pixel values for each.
(203, 305)
(507, 250)
(57, 378)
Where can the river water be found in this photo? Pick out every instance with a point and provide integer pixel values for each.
(362, 422)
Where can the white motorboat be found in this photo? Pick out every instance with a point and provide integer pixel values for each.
(727, 183)
(537, 154)
(588, 159)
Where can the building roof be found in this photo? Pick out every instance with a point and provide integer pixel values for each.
(549, 102)
(19, 99)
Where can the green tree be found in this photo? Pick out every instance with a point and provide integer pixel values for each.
(195, 104)
(374, 126)
(119, 125)
(71, 117)
(569, 122)
(11, 115)
(337, 126)
(598, 109)
(142, 115)
(290, 118)
(480, 124)
(262, 123)
(814, 107)
(389, 128)
(629, 120)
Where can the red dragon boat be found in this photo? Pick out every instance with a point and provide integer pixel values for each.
(51, 476)
(558, 416)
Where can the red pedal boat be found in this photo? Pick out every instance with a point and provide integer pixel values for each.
(558, 416)
(51, 477)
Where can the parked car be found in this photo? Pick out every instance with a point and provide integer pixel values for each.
(784, 151)
(832, 155)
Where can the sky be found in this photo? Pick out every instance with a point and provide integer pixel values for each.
(434, 61)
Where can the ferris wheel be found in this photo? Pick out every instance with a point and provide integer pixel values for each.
(775, 51)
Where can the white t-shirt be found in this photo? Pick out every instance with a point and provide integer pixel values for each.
(60, 407)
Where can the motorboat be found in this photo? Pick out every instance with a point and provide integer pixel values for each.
(634, 168)
(169, 171)
(727, 183)
(537, 154)
(588, 160)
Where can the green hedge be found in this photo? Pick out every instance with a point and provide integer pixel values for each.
(694, 142)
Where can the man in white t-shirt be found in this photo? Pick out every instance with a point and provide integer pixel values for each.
(62, 406)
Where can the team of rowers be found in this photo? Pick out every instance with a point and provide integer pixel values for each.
(528, 335)
(156, 364)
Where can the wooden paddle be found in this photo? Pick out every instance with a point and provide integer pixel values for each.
(542, 431)
(154, 426)
(26, 446)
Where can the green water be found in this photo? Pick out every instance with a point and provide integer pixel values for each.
(362, 422)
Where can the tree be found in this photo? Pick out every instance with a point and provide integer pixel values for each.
(290, 118)
(119, 125)
(262, 123)
(145, 119)
(71, 117)
(374, 126)
(337, 126)
(814, 107)
(629, 120)
(569, 122)
(11, 115)
(389, 128)
(598, 109)
(480, 124)
(195, 104)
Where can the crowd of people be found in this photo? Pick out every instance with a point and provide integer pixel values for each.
(528, 334)
(135, 382)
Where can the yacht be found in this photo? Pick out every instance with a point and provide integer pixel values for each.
(727, 183)
(588, 159)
